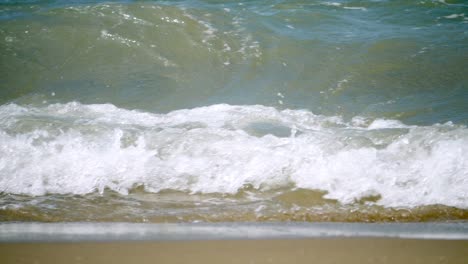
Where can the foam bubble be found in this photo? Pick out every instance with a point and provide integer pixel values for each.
(76, 148)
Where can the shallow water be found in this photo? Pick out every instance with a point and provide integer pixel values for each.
(181, 111)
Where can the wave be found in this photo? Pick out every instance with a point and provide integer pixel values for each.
(76, 148)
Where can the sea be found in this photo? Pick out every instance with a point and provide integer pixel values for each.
(234, 111)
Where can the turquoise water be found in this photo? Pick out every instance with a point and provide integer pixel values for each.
(275, 109)
(403, 60)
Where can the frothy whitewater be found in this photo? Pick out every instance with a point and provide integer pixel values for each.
(75, 148)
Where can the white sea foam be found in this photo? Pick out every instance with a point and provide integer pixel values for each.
(452, 16)
(331, 4)
(115, 37)
(77, 148)
(355, 8)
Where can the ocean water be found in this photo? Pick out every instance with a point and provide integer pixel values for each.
(188, 111)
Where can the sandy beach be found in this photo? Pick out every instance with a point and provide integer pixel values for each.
(233, 243)
(326, 250)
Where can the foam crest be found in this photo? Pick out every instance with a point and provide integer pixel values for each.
(76, 148)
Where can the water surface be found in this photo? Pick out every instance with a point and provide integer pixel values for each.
(182, 111)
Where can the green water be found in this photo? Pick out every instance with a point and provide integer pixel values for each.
(403, 60)
(233, 110)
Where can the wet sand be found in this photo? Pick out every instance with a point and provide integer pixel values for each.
(317, 250)
(233, 243)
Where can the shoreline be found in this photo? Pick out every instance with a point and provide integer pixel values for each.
(102, 231)
(211, 243)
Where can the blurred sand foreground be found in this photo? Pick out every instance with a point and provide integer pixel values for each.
(233, 243)
(317, 250)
